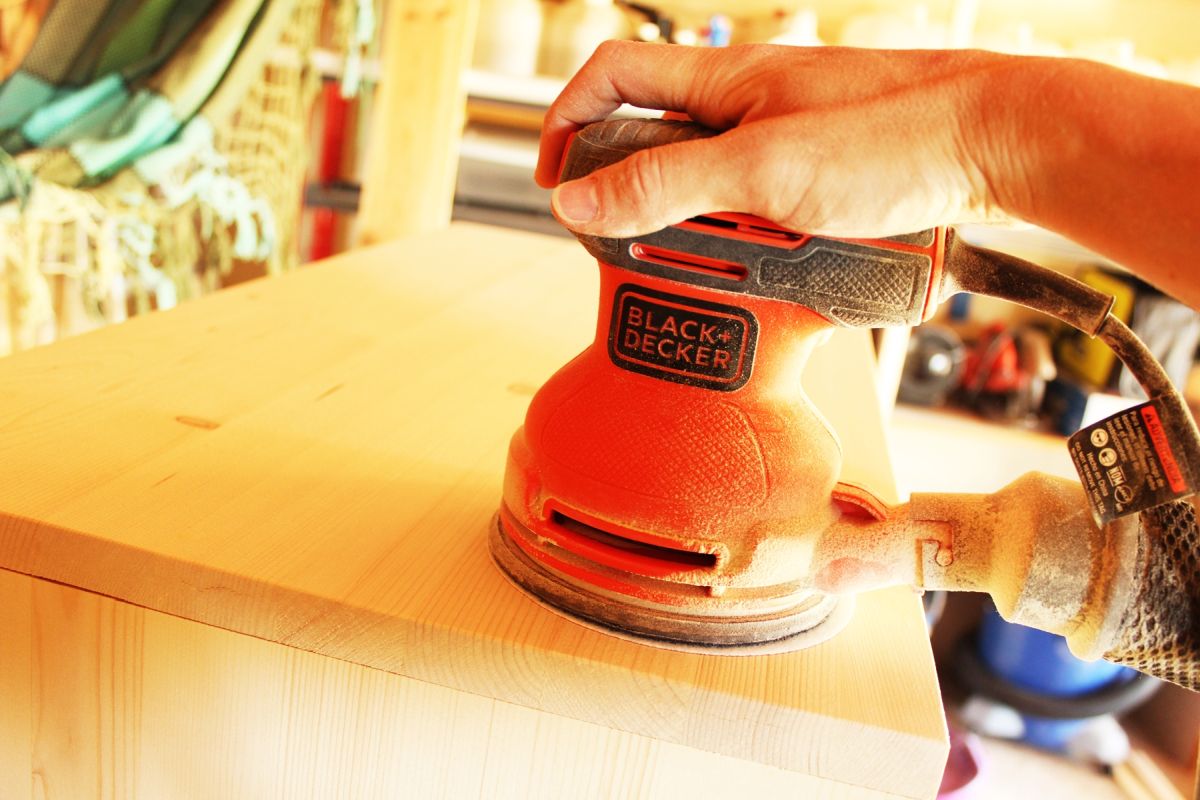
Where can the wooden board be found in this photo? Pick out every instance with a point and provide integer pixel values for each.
(315, 460)
(141, 704)
(16, 686)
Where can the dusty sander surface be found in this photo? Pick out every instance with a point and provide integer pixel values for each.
(814, 619)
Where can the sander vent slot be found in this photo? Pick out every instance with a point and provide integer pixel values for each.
(764, 229)
(705, 265)
(622, 548)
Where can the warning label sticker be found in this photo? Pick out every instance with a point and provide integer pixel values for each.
(1126, 463)
(681, 339)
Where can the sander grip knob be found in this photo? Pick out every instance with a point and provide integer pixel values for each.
(856, 283)
(602, 144)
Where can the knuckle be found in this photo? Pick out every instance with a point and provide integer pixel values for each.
(607, 51)
(752, 50)
(597, 64)
(776, 172)
(757, 161)
(792, 205)
(608, 47)
(790, 199)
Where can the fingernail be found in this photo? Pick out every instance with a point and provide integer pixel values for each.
(576, 201)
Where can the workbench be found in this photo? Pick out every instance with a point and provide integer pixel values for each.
(243, 554)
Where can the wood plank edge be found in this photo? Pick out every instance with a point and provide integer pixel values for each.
(251, 607)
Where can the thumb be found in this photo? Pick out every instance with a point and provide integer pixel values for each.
(654, 188)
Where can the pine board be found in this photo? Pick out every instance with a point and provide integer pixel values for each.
(314, 461)
(163, 707)
(16, 686)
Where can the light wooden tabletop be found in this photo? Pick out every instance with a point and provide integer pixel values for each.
(314, 460)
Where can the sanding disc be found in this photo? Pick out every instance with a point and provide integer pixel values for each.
(814, 619)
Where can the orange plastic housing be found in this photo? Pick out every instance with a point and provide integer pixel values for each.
(624, 475)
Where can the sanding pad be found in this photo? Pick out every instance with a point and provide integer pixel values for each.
(814, 618)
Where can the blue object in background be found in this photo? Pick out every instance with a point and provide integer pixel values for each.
(1065, 403)
(720, 30)
(960, 306)
(1041, 662)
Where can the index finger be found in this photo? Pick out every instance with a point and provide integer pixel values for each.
(647, 75)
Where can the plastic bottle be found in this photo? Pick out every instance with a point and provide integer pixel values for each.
(507, 37)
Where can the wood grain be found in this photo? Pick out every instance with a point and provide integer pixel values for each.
(85, 685)
(162, 707)
(16, 698)
(315, 460)
(417, 121)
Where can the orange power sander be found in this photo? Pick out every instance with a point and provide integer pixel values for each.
(672, 481)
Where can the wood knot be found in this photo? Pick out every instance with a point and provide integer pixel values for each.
(330, 391)
(198, 422)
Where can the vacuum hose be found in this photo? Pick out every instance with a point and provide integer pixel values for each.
(1160, 626)
(1127, 591)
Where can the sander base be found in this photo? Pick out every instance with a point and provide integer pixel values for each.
(805, 620)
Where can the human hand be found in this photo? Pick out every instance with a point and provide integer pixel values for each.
(832, 141)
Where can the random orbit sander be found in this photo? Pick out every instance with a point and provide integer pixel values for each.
(673, 483)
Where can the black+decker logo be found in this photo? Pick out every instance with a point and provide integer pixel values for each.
(680, 339)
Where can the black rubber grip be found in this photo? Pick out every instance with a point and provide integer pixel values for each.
(853, 288)
(852, 284)
(603, 143)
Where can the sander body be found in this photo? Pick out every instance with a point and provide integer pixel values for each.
(672, 482)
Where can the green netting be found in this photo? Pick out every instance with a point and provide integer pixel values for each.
(222, 196)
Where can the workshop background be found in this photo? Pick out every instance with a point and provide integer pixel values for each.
(280, 165)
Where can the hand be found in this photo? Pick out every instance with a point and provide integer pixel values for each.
(849, 143)
(832, 141)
